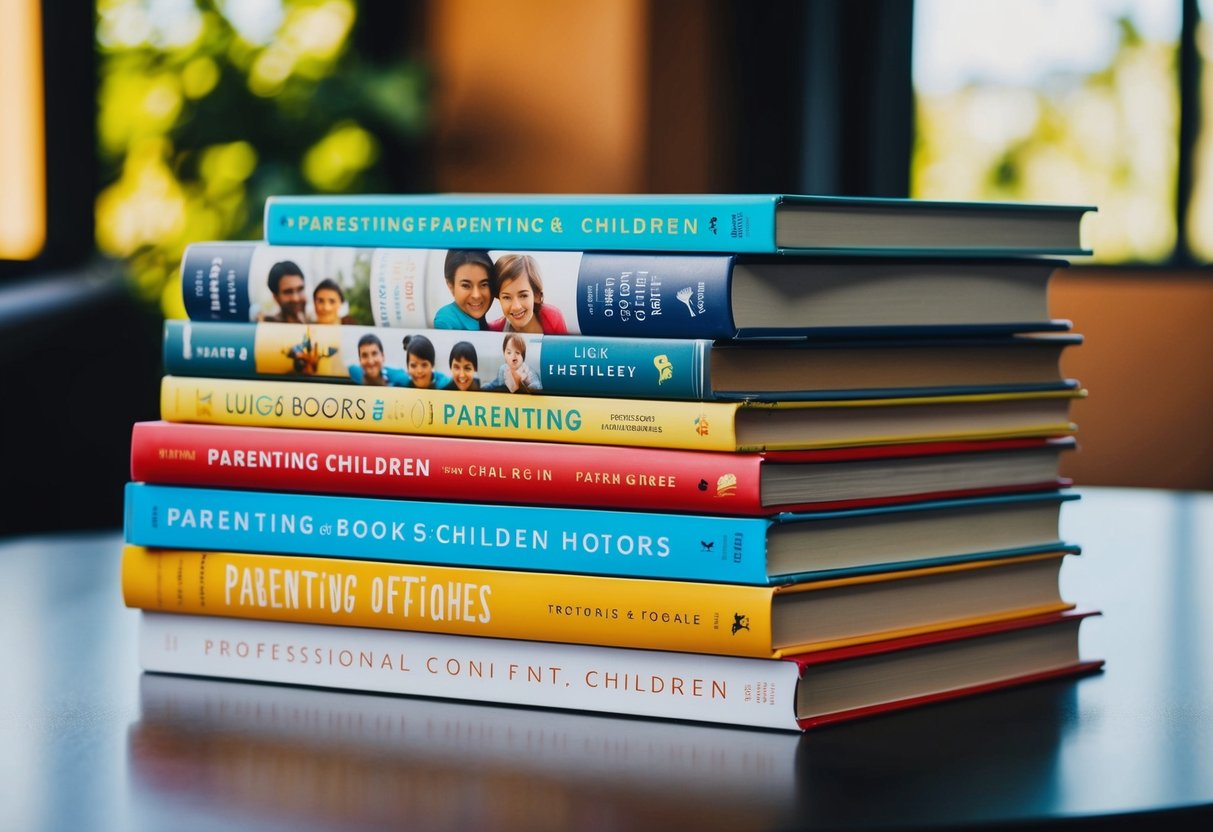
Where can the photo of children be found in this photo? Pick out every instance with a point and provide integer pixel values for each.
(518, 288)
(514, 376)
(468, 275)
(463, 364)
(419, 358)
(371, 368)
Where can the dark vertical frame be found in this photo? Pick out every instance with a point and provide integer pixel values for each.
(1190, 71)
(858, 105)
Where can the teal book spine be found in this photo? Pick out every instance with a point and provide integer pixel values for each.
(564, 365)
(733, 223)
(584, 541)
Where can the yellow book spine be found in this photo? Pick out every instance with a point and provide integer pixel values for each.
(538, 606)
(652, 423)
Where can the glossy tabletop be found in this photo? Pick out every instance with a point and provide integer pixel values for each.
(88, 742)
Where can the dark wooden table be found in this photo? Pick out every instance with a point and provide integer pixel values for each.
(88, 742)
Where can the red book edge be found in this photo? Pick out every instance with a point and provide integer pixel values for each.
(807, 661)
(914, 449)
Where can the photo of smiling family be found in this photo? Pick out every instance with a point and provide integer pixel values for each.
(455, 319)
(456, 289)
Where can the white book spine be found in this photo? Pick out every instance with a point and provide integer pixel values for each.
(720, 689)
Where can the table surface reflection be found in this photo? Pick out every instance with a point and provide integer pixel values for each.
(89, 742)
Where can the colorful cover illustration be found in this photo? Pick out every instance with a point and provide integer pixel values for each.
(579, 365)
(514, 362)
(634, 294)
(553, 292)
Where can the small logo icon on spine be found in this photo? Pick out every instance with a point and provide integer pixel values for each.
(684, 295)
(665, 368)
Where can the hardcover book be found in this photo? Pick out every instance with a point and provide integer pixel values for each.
(795, 693)
(590, 476)
(782, 548)
(686, 616)
(672, 222)
(582, 365)
(711, 426)
(637, 294)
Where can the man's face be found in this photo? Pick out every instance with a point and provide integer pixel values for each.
(291, 297)
(371, 359)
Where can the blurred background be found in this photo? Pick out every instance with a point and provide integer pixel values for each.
(133, 127)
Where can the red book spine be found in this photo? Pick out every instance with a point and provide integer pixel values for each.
(444, 468)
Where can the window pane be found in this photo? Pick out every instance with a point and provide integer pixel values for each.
(1053, 101)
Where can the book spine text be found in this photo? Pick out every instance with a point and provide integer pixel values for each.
(624, 543)
(536, 606)
(444, 468)
(752, 692)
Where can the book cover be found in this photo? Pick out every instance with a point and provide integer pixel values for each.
(748, 550)
(542, 473)
(711, 426)
(795, 693)
(670, 222)
(682, 616)
(631, 294)
(583, 365)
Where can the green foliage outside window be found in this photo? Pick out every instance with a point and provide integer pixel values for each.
(1106, 136)
(203, 112)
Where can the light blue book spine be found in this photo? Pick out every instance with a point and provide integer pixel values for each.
(718, 223)
(615, 543)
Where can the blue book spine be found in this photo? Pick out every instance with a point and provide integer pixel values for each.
(662, 296)
(641, 368)
(226, 350)
(719, 223)
(614, 543)
(214, 281)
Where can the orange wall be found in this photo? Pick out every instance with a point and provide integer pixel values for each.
(539, 95)
(1147, 360)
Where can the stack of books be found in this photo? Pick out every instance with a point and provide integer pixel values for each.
(766, 460)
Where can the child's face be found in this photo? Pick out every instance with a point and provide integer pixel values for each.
(470, 288)
(370, 357)
(517, 301)
(463, 372)
(328, 304)
(513, 356)
(421, 371)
